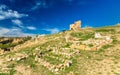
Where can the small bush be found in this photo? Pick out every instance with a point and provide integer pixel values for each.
(8, 45)
(106, 46)
(66, 45)
(114, 41)
(90, 45)
(12, 71)
(4, 74)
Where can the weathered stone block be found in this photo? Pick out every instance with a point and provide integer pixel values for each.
(81, 47)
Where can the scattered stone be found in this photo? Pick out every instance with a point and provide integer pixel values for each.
(68, 63)
(93, 48)
(87, 48)
(56, 70)
(37, 49)
(98, 35)
(81, 47)
(71, 73)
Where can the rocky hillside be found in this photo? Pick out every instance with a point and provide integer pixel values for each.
(88, 51)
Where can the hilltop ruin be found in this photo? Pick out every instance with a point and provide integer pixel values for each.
(75, 26)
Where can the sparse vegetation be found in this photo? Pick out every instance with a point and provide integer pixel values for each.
(79, 34)
(56, 51)
(4, 74)
(90, 45)
(105, 30)
(8, 45)
(106, 46)
(83, 36)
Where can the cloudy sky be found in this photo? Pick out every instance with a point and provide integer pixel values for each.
(28, 17)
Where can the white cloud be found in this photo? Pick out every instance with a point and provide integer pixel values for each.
(13, 32)
(37, 5)
(3, 31)
(52, 31)
(8, 13)
(17, 22)
(3, 7)
(31, 28)
(41, 4)
(20, 24)
(2, 17)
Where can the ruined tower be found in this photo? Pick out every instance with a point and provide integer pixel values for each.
(75, 26)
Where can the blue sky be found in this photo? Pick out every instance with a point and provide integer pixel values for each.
(28, 17)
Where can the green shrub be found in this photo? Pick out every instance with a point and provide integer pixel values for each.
(106, 46)
(12, 71)
(8, 45)
(103, 48)
(115, 41)
(90, 45)
(4, 74)
(66, 45)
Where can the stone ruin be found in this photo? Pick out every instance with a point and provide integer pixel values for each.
(96, 43)
(76, 26)
(64, 63)
(17, 57)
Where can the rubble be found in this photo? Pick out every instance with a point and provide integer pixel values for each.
(81, 47)
(16, 57)
(71, 73)
(55, 68)
(98, 35)
(65, 62)
(97, 43)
